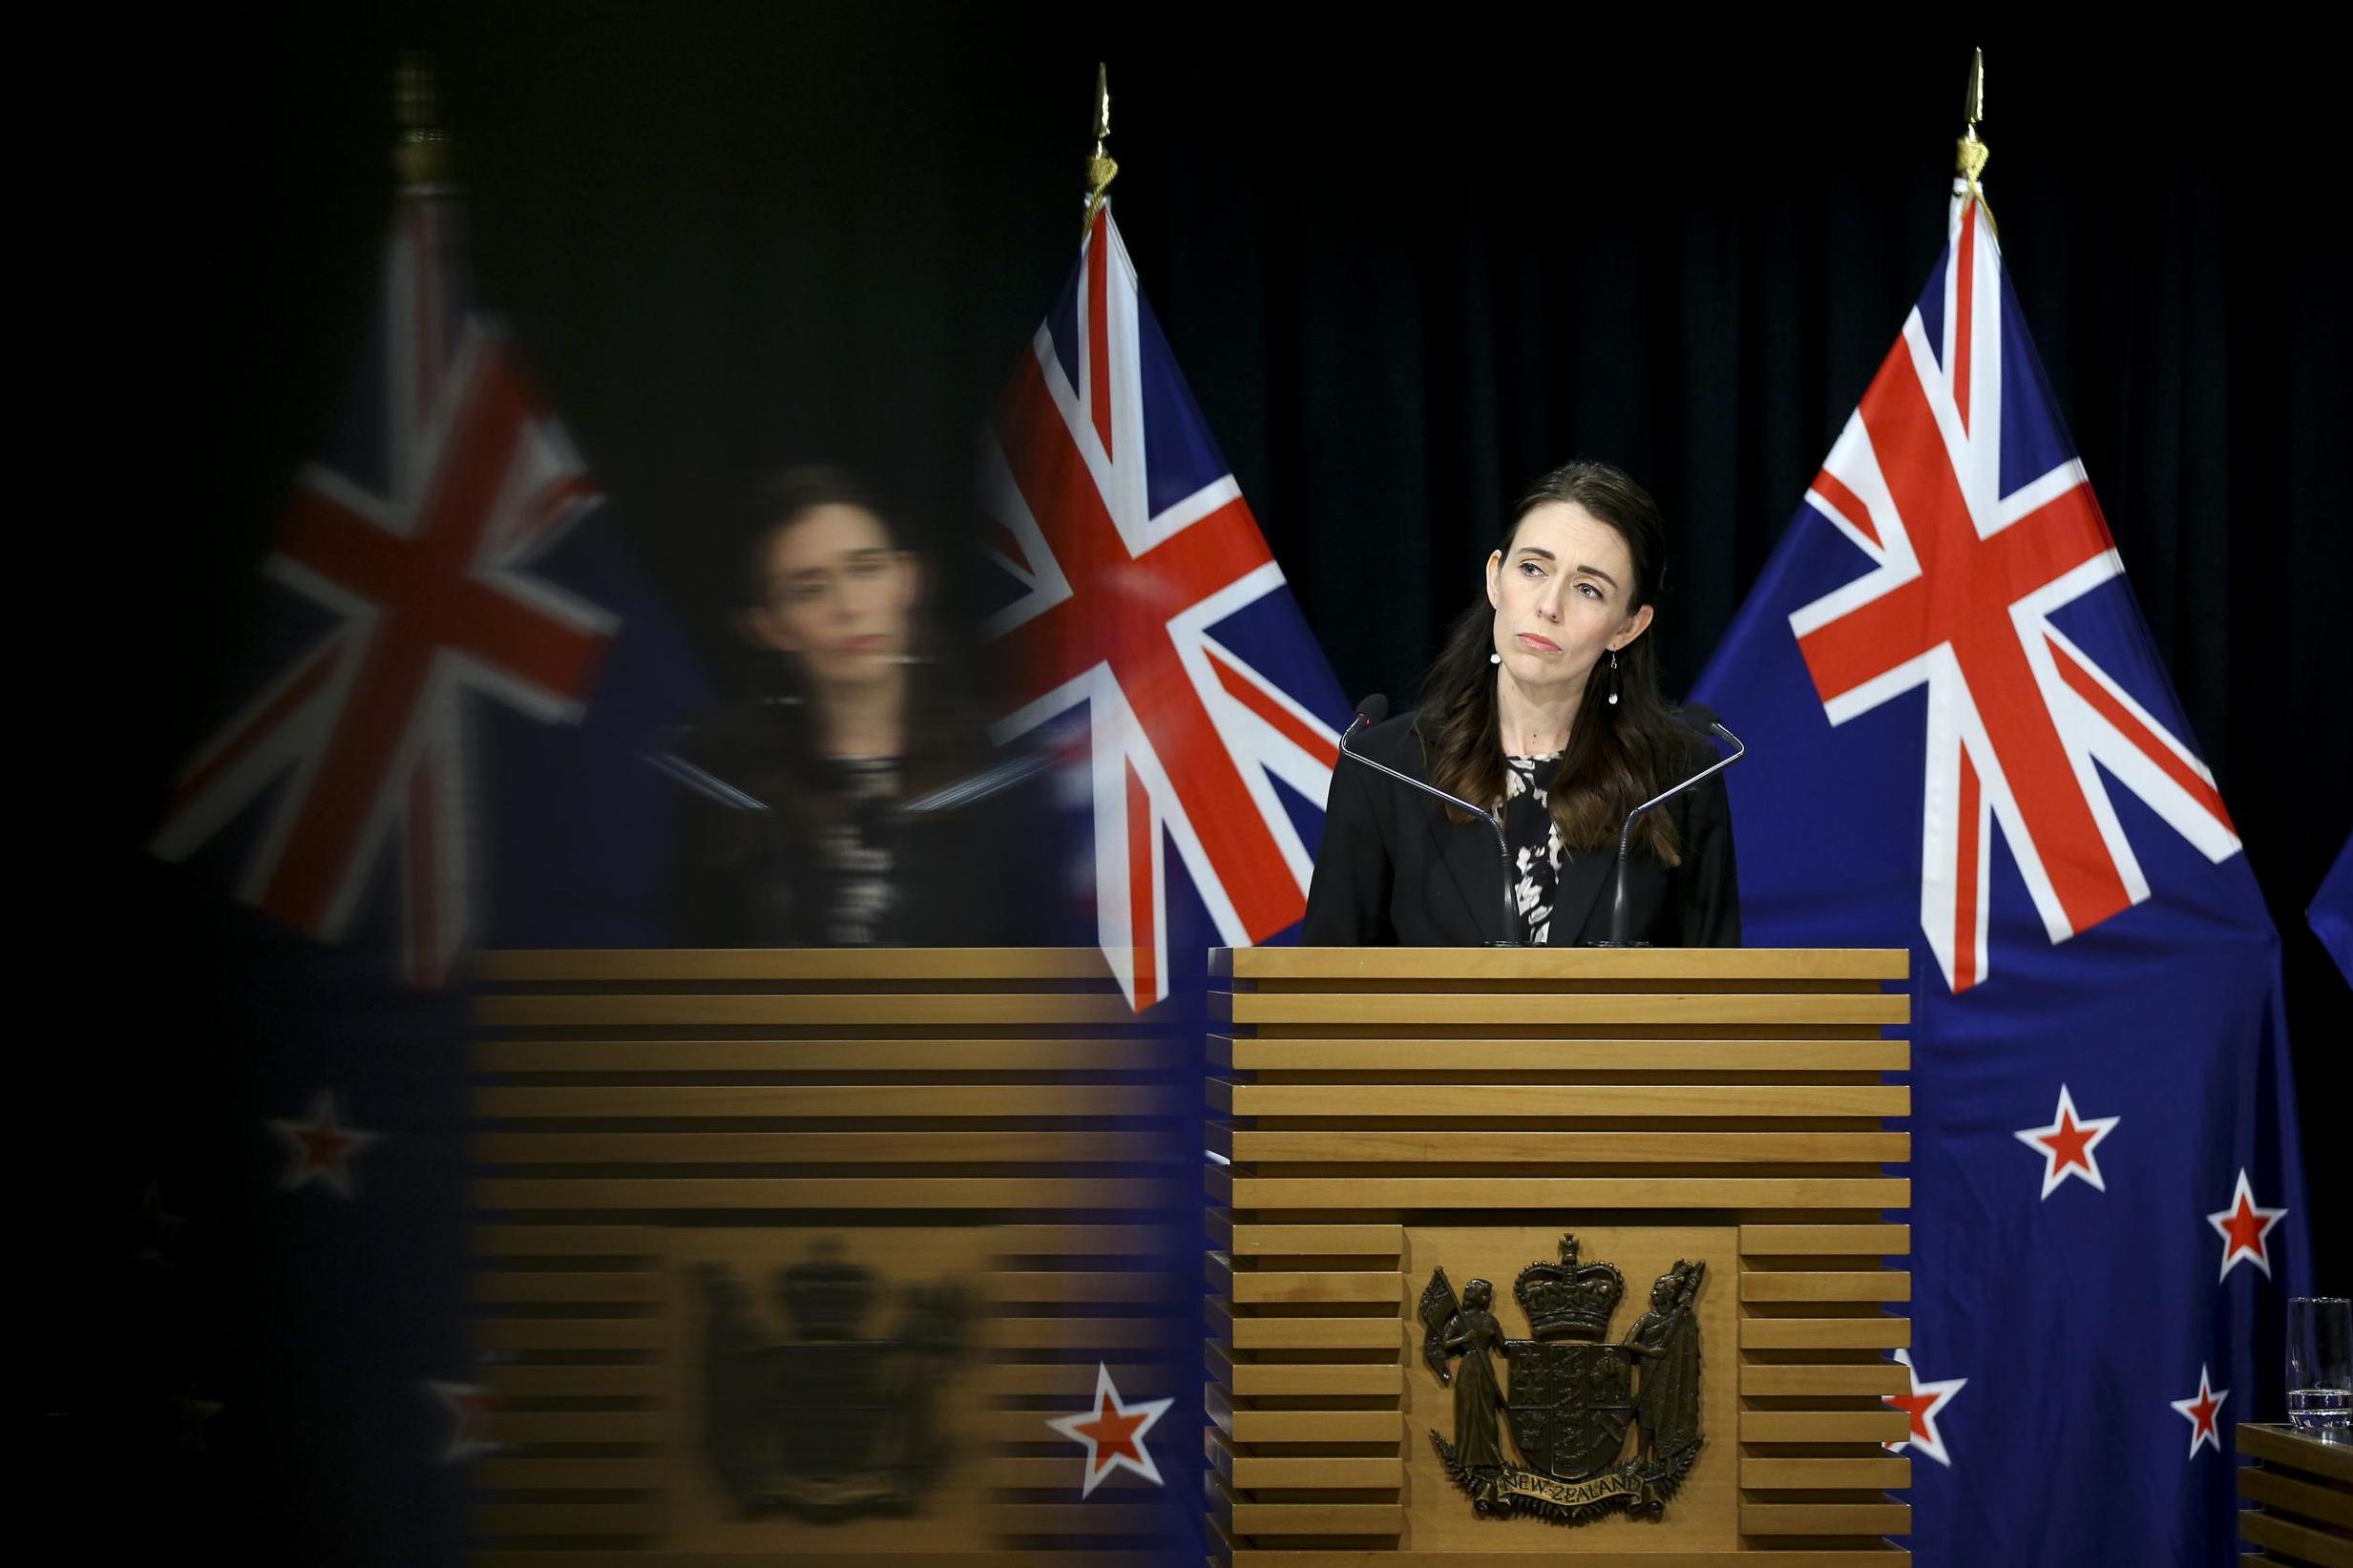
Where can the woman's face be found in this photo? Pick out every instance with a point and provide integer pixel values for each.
(1562, 595)
(838, 594)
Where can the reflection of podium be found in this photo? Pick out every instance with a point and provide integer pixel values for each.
(792, 1255)
(1378, 1116)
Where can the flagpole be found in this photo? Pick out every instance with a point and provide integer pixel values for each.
(421, 151)
(1971, 152)
(1100, 166)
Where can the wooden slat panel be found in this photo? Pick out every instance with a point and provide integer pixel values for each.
(568, 1518)
(570, 1333)
(568, 1240)
(1870, 1377)
(1271, 965)
(1825, 1518)
(1109, 1241)
(1518, 1010)
(1318, 1426)
(1278, 1054)
(1426, 1102)
(2279, 1490)
(1002, 1473)
(929, 1146)
(512, 1427)
(1515, 1146)
(1068, 1380)
(795, 965)
(573, 1474)
(1249, 1287)
(537, 1382)
(1882, 1425)
(1876, 1332)
(1825, 1475)
(1825, 1241)
(1573, 1192)
(815, 1056)
(825, 1099)
(1251, 1472)
(1314, 1333)
(1091, 1517)
(1317, 1240)
(2300, 1541)
(813, 1193)
(1009, 1286)
(2291, 1451)
(1246, 1518)
(816, 1010)
(1009, 1333)
(567, 1284)
(1274, 1379)
(1879, 1285)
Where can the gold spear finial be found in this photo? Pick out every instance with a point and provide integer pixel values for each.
(1101, 167)
(421, 152)
(1973, 152)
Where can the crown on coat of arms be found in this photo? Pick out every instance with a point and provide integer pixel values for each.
(826, 1297)
(1569, 1298)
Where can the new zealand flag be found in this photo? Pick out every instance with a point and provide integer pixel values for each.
(1964, 743)
(441, 747)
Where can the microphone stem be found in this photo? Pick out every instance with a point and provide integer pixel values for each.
(1618, 911)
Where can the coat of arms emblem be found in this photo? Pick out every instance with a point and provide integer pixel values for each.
(825, 1424)
(1573, 1397)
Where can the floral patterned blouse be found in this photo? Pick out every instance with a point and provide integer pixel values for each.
(1535, 841)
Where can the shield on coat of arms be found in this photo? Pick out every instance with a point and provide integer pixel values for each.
(1569, 1406)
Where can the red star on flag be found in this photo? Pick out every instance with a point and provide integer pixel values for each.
(322, 1146)
(2066, 1145)
(2243, 1227)
(2199, 1411)
(470, 1406)
(1922, 1404)
(1113, 1432)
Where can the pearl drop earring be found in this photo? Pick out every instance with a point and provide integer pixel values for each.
(1613, 678)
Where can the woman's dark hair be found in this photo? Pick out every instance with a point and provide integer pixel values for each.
(776, 501)
(1619, 755)
(945, 733)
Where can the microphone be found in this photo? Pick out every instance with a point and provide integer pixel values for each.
(1371, 711)
(1700, 717)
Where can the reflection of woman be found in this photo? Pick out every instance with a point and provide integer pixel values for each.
(860, 718)
(1478, 1400)
(1545, 704)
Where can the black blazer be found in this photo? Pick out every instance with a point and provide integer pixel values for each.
(1394, 871)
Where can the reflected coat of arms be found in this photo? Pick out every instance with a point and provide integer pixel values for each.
(826, 1425)
(1573, 1397)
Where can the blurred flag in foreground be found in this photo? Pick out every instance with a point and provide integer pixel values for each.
(1962, 741)
(446, 702)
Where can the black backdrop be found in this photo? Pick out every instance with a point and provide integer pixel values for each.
(1404, 267)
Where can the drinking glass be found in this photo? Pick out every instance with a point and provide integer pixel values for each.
(2320, 1367)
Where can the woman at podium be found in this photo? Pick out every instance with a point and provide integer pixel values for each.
(1544, 705)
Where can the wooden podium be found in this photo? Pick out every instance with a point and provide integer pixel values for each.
(827, 1135)
(1379, 1115)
